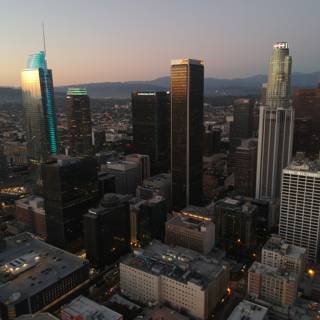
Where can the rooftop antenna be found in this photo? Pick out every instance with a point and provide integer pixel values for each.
(44, 40)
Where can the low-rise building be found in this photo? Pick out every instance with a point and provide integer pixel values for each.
(190, 233)
(247, 310)
(273, 285)
(30, 210)
(181, 277)
(82, 308)
(34, 274)
(279, 254)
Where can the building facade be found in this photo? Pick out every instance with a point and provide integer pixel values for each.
(151, 127)
(39, 109)
(187, 131)
(70, 189)
(183, 278)
(300, 206)
(79, 122)
(107, 230)
(276, 122)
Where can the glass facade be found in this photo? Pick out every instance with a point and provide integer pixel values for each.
(39, 108)
(151, 123)
(79, 122)
(70, 189)
(276, 124)
(187, 130)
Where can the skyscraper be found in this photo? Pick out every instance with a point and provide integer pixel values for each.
(39, 108)
(242, 126)
(151, 127)
(300, 206)
(276, 124)
(79, 121)
(70, 189)
(187, 77)
(306, 103)
(107, 230)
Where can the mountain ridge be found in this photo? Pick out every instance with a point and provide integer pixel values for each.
(212, 87)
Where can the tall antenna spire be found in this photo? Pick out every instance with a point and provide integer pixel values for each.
(44, 39)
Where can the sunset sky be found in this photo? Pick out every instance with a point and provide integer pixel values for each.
(121, 40)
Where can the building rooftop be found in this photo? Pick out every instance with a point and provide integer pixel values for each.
(162, 313)
(88, 309)
(77, 92)
(157, 179)
(198, 213)
(35, 202)
(258, 267)
(304, 165)
(183, 265)
(121, 165)
(29, 265)
(277, 244)
(38, 316)
(236, 205)
(247, 310)
(189, 223)
(186, 61)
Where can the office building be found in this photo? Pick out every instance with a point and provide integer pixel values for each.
(82, 308)
(276, 124)
(242, 125)
(263, 96)
(187, 77)
(278, 253)
(300, 206)
(16, 153)
(180, 277)
(107, 183)
(98, 139)
(306, 103)
(151, 127)
(244, 164)
(79, 122)
(107, 230)
(127, 175)
(272, 285)
(34, 274)
(212, 139)
(143, 162)
(39, 108)
(3, 164)
(247, 310)
(234, 221)
(148, 218)
(70, 189)
(30, 210)
(190, 233)
(159, 184)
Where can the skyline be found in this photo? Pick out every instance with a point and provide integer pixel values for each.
(102, 42)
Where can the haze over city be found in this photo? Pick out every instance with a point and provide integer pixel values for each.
(97, 41)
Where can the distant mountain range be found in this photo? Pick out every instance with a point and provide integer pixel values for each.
(213, 86)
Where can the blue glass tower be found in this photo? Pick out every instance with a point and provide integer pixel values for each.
(39, 109)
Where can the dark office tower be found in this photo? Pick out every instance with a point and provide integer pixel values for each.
(306, 103)
(151, 130)
(186, 131)
(3, 164)
(244, 164)
(79, 122)
(242, 126)
(70, 189)
(275, 126)
(39, 109)
(107, 230)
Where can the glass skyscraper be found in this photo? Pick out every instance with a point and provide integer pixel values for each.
(79, 121)
(39, 108)
(187, 131)
(276, 124)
